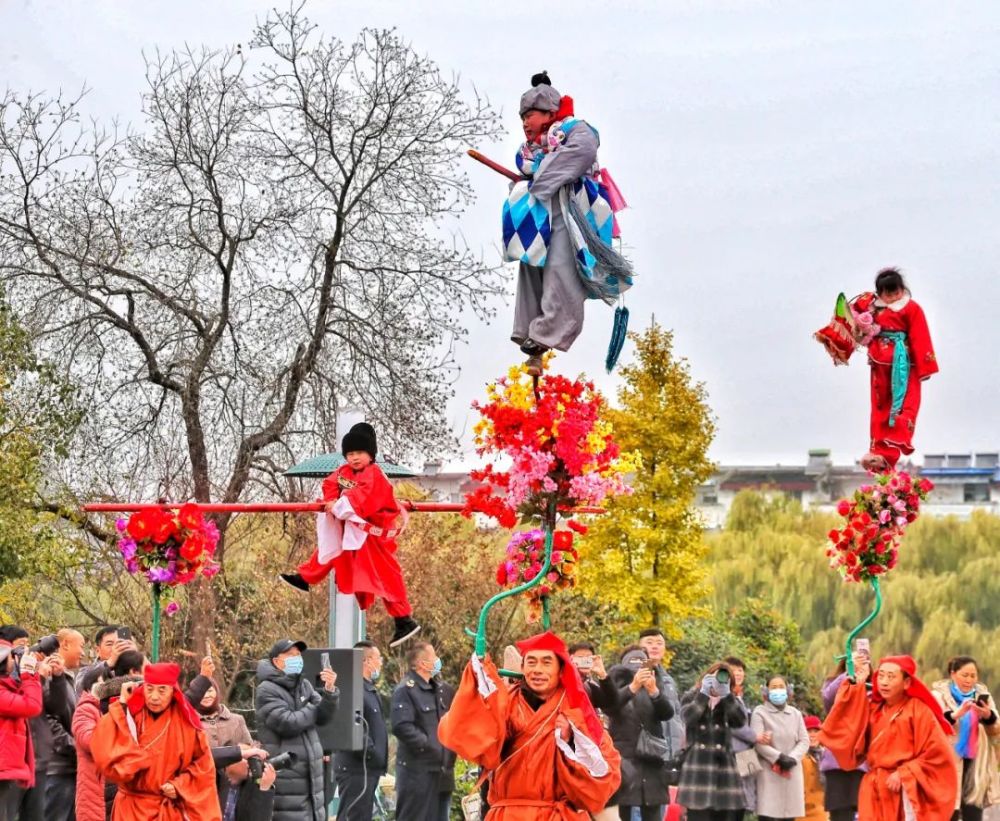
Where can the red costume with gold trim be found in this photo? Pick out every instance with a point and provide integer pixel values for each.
(905, 316)
(358, 540)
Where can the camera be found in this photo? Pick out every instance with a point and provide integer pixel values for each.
(722, 676)
(279, 762)
(46, 646)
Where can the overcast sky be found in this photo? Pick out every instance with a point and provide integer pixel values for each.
(773, 154)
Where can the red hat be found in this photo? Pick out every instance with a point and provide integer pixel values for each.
(167, 674)
(569, 678)
(813, 723)
(917, 689)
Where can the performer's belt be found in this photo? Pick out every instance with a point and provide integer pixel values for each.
(526, 802)
(900, 371)
(381, 532)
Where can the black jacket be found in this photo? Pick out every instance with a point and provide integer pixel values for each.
(603, 693)
(417, 707)
(288, 712)
(375, 756)
(252, 803)
(60, 704)
(644, 783)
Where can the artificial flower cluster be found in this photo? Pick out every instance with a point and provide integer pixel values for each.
(557, 441)
(524, 560)
(875, 520)
(169, 548)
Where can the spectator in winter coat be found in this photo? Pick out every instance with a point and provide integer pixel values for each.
(289, 710)
(745, 741)
(639, 707)
(109, 646)
(710, 786)
(89, 804)
(654, 643)
(20, 700)
(969, 708)
(60, 704)
(32, 802)
(780, 784)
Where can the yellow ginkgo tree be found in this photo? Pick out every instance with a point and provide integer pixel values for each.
(646, 555)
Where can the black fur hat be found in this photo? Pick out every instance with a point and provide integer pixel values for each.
(360, 437)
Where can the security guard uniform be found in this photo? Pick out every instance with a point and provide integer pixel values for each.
(425, 771)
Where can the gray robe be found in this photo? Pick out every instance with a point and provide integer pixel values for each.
(549, 305)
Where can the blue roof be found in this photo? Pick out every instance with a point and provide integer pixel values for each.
(959, 471)
(321, 466)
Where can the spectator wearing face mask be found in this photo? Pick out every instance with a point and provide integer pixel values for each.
(710, 786)
(358, 772)
(425, 770)
(20, 700)
(289, 709)
(780, 783)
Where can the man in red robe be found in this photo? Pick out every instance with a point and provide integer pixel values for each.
(357, 535)
(547, 754)
(900, 733)
(151, 744)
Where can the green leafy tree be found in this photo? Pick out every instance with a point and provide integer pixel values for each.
(646, 556)
(37, 418)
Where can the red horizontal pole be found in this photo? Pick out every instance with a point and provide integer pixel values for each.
(280, 507)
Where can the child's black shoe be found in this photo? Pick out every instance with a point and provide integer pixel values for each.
(295, 580)
(406, 628)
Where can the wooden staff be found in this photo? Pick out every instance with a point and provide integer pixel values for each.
(510, 175)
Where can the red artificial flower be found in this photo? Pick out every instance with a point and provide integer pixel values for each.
(193, 546)
(925, 484)
(189, 516)
(163, 528)
(844, 507)
(502, 573)
(575, 526)
(562, 540)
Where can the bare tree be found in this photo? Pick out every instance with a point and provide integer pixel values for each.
(274, 239)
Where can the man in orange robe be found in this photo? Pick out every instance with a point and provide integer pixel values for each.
(151, 744)
(900, 733)
(547, 754)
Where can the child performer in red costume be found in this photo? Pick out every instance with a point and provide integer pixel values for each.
(901, 356)
(357, 535)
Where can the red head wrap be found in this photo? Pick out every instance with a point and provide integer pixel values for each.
(166, 674)
(569, 679)
(916, 689)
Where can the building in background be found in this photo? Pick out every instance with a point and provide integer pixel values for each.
(964, 482)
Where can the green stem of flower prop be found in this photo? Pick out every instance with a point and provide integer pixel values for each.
(549, 524)
(876, 586)
(546, 618)
(155, 649)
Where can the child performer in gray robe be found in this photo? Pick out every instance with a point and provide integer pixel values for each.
(558, 223)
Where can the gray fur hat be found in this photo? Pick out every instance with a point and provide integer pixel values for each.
(541, 96)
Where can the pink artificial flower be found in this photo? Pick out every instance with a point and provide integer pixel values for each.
(172, 608)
